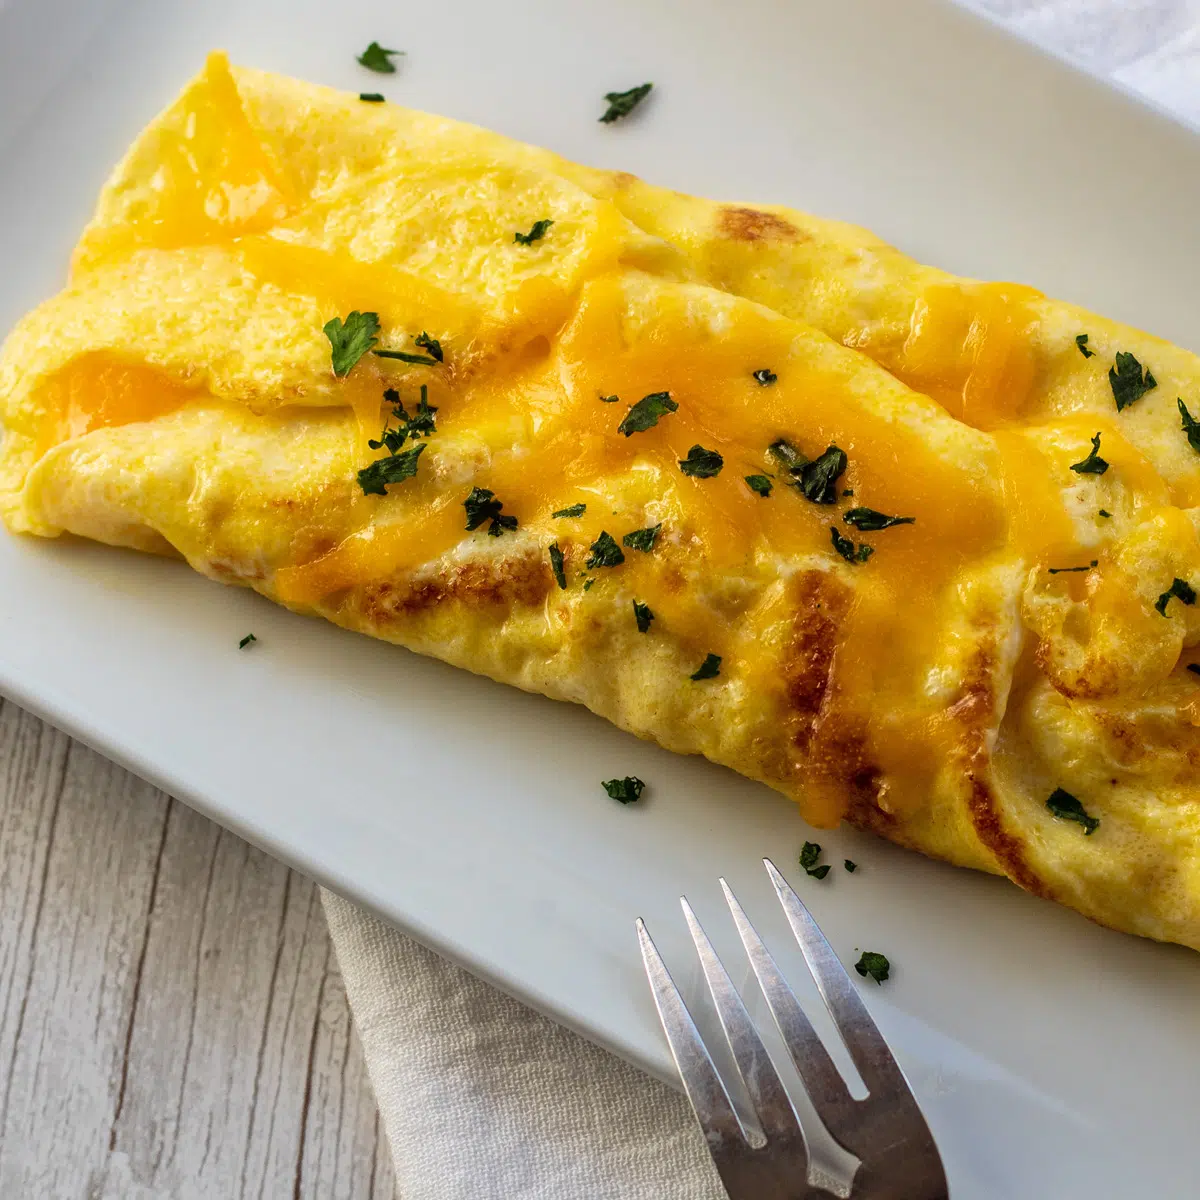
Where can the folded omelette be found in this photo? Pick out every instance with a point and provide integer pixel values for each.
(916, 551)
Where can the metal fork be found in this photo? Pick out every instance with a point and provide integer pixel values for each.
(885, 1131)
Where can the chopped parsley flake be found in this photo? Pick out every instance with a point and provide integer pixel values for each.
(621, 104)
(867, 520)
(760, 484)
(572, 510)
(1127, 380)
(535, 234)
(431, 345)
(556, 565)
(847, 549)
(710, 668)
(625, 790)
(873, 964)
(376, 58)
(1093, 464)
(1190, 426)
(246, 641)
(610, 399)
(645, 413)
(371, 97)
(1181, 590)
(818, 479)
(787, 455)
(1071, 570)
(605, 552)
(351, 339)
(701, 463)
(1104, 512)
(850, 865)
(423, 424)
(765, 377)
(1081, 340)
(482, 505)
(417, 360)
(642, 539)
(587, 584)
(810, 852)
(1064, 806)
(396, 468)
(642, 615)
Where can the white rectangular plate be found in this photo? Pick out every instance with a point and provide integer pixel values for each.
(1054, 1058)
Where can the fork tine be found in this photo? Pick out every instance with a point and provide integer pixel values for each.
(825, 1086)
(879, 1070)
(767, 1095)
(705, 1091)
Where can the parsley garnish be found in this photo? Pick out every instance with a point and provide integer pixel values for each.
(573, 510)
(760, 484)
(642, 615)
(1093, 464)
(371, 97)
(535, 234)
(432, 357)
(642, 539)
(809, 853)
(787, 455)
(376, 58)
(423, 424)
(621, 104)
(765, 377)
(419, 360)
(873, 964)
(610, 399)
(587, 584)
(351, 339)
(1064, 806)
(645, 413)
(605, 552)
(1127, 381)
(1070, 570)
(701, 463)
(430, 344)
(246, 641)
(482, 505)
(710, 668)
(1181, 590)
(1104, 512)
(396, 468)
(626, 790)
(556, 565)
(1081, 340)
(846, 548)
(818, 479)
(850, 865)
(867, 520)
(1190, 426)
(1194, 668)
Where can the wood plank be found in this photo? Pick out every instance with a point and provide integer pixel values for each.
(345, 1152)
(172, 1023)
(61, 1082)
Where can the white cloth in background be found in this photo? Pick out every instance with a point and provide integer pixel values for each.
(484, 1099)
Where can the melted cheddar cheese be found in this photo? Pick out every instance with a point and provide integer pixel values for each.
(1010, 639)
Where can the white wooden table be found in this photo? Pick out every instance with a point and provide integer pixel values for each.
(172, 1020)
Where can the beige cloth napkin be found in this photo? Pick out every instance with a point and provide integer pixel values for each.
(483, 1099)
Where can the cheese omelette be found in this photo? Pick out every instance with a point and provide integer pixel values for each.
(916, 551)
